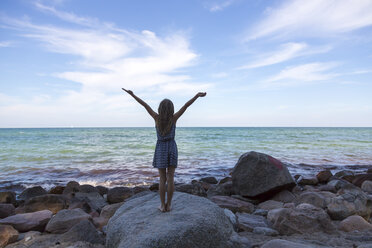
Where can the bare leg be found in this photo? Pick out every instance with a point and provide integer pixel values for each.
(163, 179)
(170, 179)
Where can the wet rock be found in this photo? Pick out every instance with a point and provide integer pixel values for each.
(6, 209)
(194, 188)
(87, 188)
(303, 219)
(65, 219)
(232, 204)
(307, 180)
(32, 192)
(225, 189)
(265, 231)
(71, 187)
(57, 190)
(210, 180)
(35, 221)
(225, 180)
(346, 175)
(257, 174)
(324, 176)
(8, 197)
(102, 190)
(83, 231)
(281, 243)
(193, 222)
(118, 194)
(284, 196)
(51, 202)
(139, 189)
(247, 222)
(270, 204)
(93, 199)
(359, 179)
(154, 187)
(367, 186)
(354, 223)
(7, 235)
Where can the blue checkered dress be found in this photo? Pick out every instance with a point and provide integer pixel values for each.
(166, 153)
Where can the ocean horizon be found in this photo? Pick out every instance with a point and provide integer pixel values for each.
(112, 156)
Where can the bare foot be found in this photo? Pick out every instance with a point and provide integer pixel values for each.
(162, 208)
(168, 207)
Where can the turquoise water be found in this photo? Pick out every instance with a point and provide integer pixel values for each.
(123, 156)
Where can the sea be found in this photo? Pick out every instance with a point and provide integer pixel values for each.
(123, 156)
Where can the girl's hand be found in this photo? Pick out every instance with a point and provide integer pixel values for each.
(128, 91)
(201, 94)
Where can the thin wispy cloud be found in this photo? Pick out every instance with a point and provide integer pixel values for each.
(313, 18)
(5, 43)
(216, 6)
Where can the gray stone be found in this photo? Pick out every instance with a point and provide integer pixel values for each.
(221, 189)
(83, 231)
(87, 188)
(270, 204)
(32, 192)
(194, 188)
(51, 202)
(284, 196)
(337, 183)
(281, 243)
(8, 197)
(118, 194)
(232, 217)
(354, 223)
(367, 186)
(102, 190)
(248, 222)
(307, 180)
(7, 235)
(211, 180)
(265, 231)
(318, 199)
(93, 199)
(303, 219)
(257, 174)
(324, 176)
(193, 222)
(65, 219)
(6, 209)
(71, 187)
(261, 212)
(35, 221)
(233, 204)
(107, 212)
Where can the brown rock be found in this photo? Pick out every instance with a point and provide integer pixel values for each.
(225, 180)
(51, 202)
(318, 199)
(154, 187)
(360, 178)
(118, 194)
(32, 192)
(270, 204)
(307, 180)
(87, 188)
(8, 197)
(354, 223)
(324, 176)
(139, 189)
(102, 190)
(6, 209)
(284, 196)
(58, 190)
(35, 221)
(232, 204)
(210, 180)
(7, 235)
(194, 188)
(71, 187)
(65, 219)
(346, 175)
(257, 174)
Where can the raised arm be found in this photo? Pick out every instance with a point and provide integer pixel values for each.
(140, 101)
(191, 101)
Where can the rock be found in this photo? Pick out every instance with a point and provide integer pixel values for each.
(58, 190)
(65, 219)
(327, 187)
(38, 241)
(6, 209)
(365, 246)
(265, 231)
(118, 194)
(93, 199)
(284, 196)
(154, 187)
(194, 189)
(232, 217)
(83, 231)
(337, 184)
(8, 197)
(232, 204)
(324, 176)
(354, 223)
(303, 219)
(107, 212)
(318, 199)
(238, 241)
(225, 180)
(28, 235)
(35, 221)
(87, 188)
(248, 222)
(239, 197)
(289, 205)
(7, 235)
(307, 180)
(193, 222)
(210, 180)
(360, 178)
(281, 243)
(71, 187)
(32, 192)
(51, 202)
(102, 190)
(367, 186)
(261, 212)
(346, 175)
(139, 189)
(257, 174)
(270, 204)
(221, 189)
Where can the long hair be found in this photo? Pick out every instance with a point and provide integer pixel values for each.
(165, 119)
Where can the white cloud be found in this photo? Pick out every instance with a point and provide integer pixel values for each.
(5, 43)
(314, 18)
(305, 73)
(219, 6)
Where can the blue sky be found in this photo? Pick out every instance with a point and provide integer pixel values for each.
(262, 63)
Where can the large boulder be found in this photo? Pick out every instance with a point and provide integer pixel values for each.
(193, 222)
(118, 194)
(65, 219)
(35, 221)
(7, 235)
(51, 202)
(6, 209)
(259, 175)
(303, 219)
(32, 192)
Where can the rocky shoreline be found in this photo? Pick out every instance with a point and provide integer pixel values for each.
(260, 205)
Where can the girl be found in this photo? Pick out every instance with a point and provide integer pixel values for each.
(166, 154)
